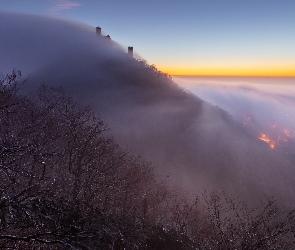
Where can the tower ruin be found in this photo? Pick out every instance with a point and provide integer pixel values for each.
(130, 51)
(98, 30)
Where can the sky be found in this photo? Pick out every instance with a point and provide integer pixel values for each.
(189, 37)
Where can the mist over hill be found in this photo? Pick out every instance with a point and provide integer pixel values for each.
(198, 144)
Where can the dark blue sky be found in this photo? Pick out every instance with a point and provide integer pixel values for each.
(189, 37)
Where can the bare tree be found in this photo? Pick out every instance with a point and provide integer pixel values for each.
(65, 184)
(230, 224)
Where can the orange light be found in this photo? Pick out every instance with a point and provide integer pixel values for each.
(265, 139)
(227, 71)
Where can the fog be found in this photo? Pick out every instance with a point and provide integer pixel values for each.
(198, 144)
(262, 104)
(267, 100)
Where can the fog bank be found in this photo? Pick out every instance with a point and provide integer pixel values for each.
(198, 144)
(263, 104)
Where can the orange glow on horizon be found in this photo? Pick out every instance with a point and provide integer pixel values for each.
(271, 72)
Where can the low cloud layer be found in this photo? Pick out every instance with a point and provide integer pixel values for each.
(265, 105)
(200, 145)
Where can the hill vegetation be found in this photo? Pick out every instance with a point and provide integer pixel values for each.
(66, 184)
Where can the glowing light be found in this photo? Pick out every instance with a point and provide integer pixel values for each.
(283, 136)
(264, 138)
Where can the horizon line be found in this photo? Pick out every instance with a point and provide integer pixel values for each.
(269, 76)
(275, 72)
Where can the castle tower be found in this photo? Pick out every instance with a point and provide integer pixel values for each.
(130, 51)
(98, 30)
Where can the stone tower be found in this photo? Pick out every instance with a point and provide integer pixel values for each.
(130, 51)
(98, 30)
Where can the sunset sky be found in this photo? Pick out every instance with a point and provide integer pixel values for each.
(189, 37)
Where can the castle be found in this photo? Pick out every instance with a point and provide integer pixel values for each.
(130, 48)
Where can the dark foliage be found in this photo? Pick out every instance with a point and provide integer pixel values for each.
(65, 184)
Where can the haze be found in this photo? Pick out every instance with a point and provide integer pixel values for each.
(198, 144)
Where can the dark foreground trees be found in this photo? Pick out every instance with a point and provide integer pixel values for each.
(65, 184)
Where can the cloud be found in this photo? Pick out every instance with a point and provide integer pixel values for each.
(198, 144)
(61, 5)
(268, 100)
